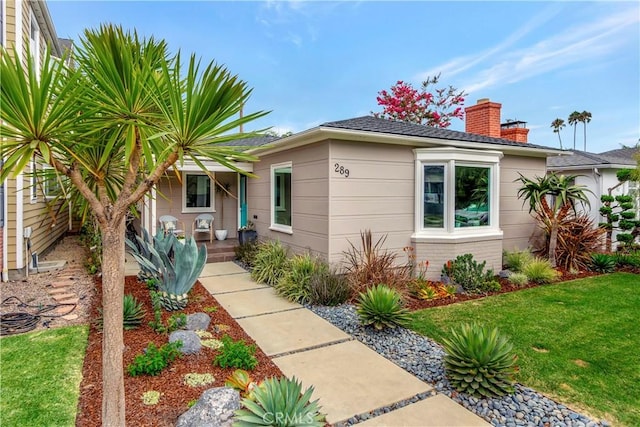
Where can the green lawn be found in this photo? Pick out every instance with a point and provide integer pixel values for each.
(577, 341)
(40, 375)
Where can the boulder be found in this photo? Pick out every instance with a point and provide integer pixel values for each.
(198, 321)
(215, 408)
(190, 341)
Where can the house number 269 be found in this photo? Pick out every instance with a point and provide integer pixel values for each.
(341, 170)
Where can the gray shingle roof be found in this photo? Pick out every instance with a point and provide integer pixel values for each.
(375, 124)
(256, 141)
(622, 156)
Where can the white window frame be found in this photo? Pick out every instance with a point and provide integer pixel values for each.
(45, 181)
(634, 186)
(34, 42)
(450, 157)
(33, 179)
(274, 226)
(186, 209)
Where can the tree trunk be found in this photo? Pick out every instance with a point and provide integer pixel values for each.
(113, 407)
(553, 242)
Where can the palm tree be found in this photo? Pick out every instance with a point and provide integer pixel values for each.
(574, 118)
(563, 193)
(113, 126)
(557, 125)
(585, 117)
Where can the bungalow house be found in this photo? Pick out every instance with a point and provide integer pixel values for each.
(598, 172)
(26, 223)
(442, 192)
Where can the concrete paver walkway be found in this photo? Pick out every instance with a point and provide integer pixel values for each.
(349, 378)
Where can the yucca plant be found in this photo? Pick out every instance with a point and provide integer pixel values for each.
(294, 283)
(479, 361)
(381, 307)
(603, 263)
(270, 262)
(280, 402)
(133, 313)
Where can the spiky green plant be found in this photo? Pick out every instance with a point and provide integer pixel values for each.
(479, 361)
(294, 283)
(516, 260)
(133, 313)
(242, 381)
(327, 287)
(270, 262)
(540, 271)
(381, 307)
(280, 402)
(603, 263)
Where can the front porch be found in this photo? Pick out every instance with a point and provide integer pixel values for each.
(220, 250)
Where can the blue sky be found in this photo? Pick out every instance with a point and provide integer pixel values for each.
(310, 62)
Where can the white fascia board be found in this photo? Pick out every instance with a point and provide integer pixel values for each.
(582, 167)
(190, 166)
(323, 133)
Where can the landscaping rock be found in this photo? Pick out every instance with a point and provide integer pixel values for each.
(190, 341)
(198, 321)
(215, 408)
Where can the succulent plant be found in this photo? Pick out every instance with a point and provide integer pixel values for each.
(242, 381)
(603, 263)
(381, 307)
(479, 361)
(133, 313)
(280, 402)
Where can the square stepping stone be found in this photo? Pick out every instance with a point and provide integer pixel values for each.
(70, 317)
(229, 283)
(438, 410)
(63, 283)
(221, 268)
(69, 301)
(349, 378)
(57, 291)
(290, 330)
(253, 302)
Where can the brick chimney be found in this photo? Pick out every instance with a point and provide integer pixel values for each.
(484, 119)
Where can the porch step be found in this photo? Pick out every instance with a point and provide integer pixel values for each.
(221, 257)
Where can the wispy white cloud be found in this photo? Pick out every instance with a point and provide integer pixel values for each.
(573, 46)
(502, 64)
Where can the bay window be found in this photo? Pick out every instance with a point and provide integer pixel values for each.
(456, 192)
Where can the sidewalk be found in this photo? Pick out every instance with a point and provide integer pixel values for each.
(349, 378)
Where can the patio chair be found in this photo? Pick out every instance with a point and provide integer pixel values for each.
(203, 223)
(171, 224)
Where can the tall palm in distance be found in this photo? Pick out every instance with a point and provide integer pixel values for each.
(574, 118)
(585, 117)
(557, 125)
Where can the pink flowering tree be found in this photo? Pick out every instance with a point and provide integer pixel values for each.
(405, 103)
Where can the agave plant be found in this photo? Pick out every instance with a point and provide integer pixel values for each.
(133, 313)
(144, 252)
(280, 402)
(479, 361)
(178, 275)
(381, 307)
(603, 263)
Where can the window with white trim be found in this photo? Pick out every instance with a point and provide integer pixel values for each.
(33, 179)
(34, 42)
(197, 193)
(456, 192)
(281, 197)
(50, 183)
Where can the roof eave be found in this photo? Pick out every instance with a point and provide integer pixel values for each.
(321, 133)
(594, 166)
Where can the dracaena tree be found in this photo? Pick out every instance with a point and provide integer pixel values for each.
(421, 106)
(112, 127)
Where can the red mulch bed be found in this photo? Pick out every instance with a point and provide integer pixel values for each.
(175, 395)
(413, 303)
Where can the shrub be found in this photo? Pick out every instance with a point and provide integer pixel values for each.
(176, 321)
(370, 264)
(246, 252)
(327, 287)
(236, 354)
(631, 259)
(603, 263)
(519, 279)
(154, 359)
(294, 283)
(468, 273)
(133, 312)
(280, 402)
(156, 324)
(270, 262)
(540, 271)
(516, 260)
(381, 307)
(479, 361)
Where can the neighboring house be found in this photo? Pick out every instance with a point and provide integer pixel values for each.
(27, 25)
(442, 192)
(598, 173)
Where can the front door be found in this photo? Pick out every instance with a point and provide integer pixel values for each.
(242, 201)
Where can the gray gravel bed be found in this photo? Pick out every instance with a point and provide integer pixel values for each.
(423, 358)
